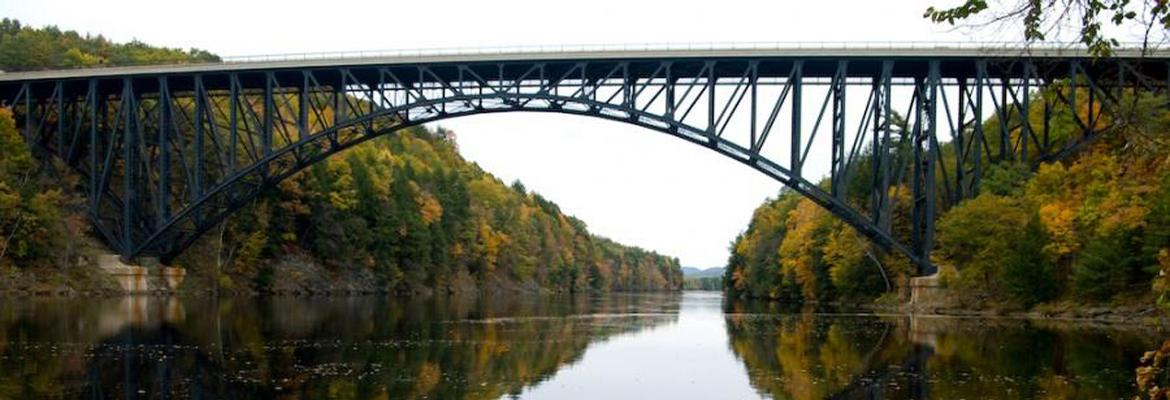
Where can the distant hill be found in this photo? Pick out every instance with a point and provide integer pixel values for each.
(692, 272)
(702, 279)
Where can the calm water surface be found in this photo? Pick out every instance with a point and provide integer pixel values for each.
(693, 345)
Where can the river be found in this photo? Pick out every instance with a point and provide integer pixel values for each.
(692, 345)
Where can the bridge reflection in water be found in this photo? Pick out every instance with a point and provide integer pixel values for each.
(614, 346)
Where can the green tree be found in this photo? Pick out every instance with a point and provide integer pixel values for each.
(1109, 262)
(1028, 275)
(979, 234)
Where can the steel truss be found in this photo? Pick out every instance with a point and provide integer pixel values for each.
(165, 157)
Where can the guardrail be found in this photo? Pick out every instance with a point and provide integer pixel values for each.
(592, 48)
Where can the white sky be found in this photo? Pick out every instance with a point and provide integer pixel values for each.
(633, 185)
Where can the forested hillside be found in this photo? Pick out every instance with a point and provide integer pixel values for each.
(1091, 228)
(404, 212)
(24, 48)
(411, 210)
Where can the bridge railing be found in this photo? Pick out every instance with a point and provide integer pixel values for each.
(714, 46)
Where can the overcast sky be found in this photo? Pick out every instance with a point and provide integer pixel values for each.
(636, 186)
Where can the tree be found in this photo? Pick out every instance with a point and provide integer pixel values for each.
(978, 235)
(802, 251)
(1048, 19)
(30, 212)
(851, 268)
(1107, 264)
(25, 48)
(1028, 275)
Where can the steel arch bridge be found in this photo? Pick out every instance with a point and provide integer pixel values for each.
(168, 152)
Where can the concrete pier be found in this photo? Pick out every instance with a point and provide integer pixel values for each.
(136, 279)
(924, 289)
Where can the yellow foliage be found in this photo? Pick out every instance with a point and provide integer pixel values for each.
(843, 251)
(344, 196)
(1051, 182)
(488, 245)
(1059, 220)
(428, 206)
(797, 251)
(1096, 194)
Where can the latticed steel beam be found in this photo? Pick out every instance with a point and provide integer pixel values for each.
(168, 155)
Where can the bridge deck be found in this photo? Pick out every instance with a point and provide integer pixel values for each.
(944, 53)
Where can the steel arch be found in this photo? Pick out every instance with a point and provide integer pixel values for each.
(593, 109)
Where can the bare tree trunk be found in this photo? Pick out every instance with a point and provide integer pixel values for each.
(8, 240)
(876, 261)
(219, 259)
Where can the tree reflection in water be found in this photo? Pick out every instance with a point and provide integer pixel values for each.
(475, 348)
(305, 347)
(802, 354)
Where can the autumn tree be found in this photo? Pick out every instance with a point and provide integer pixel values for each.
(31, 214)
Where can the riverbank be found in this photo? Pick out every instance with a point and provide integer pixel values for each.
(292, 274)
(295, 276)
(1126, 311)
(298, 275)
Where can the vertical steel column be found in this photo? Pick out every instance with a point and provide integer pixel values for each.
(755, 75)
(628, 82)
(1093, 113)
(129, 166)
(1005, 138)
(28, 112)
(233, 122)
(917, 185)
(269, 110)
(797, 77)
(927, 243)
(1072, 96)
(925, 156)
(711, 103)
(60, 88)
(978, 140)
(303, 106)
(93, 147)
(670, 83)
(200, 110)
(164, 151)
(1046, 144)
(882, 151)
(1025, 112)
(961, 143)
(837, 168)
(341, 110)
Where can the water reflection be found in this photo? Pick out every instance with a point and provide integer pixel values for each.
(612, 347)
(809, 355)
(304, 348)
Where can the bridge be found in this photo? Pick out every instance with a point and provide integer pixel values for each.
(168, 152)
